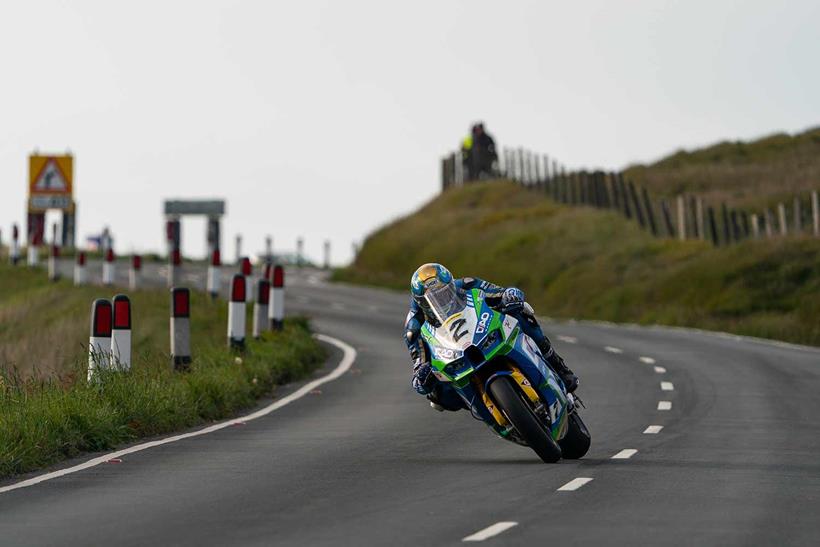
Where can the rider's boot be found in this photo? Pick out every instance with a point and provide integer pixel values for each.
(443, 398)
(559, 366)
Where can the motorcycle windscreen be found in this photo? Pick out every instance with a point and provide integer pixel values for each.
(444, 301)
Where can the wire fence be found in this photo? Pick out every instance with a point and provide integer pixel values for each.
(682, 217)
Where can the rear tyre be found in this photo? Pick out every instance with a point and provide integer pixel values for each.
(576, 442)
(522, 417)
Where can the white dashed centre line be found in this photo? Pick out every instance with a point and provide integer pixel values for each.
(660, 370)
(568, 339)
(490, 531)
(610, 349)
(653, 429)
(574, 484)
(625, 454)
(647, 360)
(664, 405)
(667, 386)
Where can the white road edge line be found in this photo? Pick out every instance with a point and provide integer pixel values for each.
(344, 365)
(568, 339)
(574, 484)
(611, 349)
(664, 405)
(660, 370)
(490, 531)
(653, 430)
(624, 454)
(647, 360)
(667, 386)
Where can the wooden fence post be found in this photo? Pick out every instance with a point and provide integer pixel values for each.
(769, 223)
(755, 226)
(798, 216)
(693, 217)
(744, 220)
(616, 195)
(727, 230)
(624, 196)
(637, 205)
(699, 218)
(815, 213)
(681, 218)
(650, 214)
(667, 219)
(713, 227)
(735, 226)
(781, 213)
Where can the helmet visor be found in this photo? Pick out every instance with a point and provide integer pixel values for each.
(444, 301)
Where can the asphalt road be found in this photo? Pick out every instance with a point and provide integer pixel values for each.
(735, 460)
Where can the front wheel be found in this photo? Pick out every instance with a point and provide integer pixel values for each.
(576, 442)
(522, 417)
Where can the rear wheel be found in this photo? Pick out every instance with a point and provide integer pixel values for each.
(576, 442)
(522, 417)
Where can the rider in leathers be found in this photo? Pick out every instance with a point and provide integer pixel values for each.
(509, 301)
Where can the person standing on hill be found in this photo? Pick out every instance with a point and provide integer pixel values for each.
(466, 156)
(483, 151)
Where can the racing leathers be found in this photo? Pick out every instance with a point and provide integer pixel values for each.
(509, 301)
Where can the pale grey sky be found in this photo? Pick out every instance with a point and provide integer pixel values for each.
(327, 119)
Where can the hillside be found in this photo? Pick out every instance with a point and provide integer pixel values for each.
(588, 264)
(749, 175)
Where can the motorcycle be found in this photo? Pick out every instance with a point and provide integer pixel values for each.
(503, 378)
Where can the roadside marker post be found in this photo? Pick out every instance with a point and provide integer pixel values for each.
(53, 258)
(80, 276)
(276, 304)
(326, 261)
(135, 272)
(236, 313)
(121, 333)
(181, 328)
(246, 269)
(32, 255)
(108, 268)
(175, 259)
(14, 255)
(214, 277)
(99, 343)
(260, 308)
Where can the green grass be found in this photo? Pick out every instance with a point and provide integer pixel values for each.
(589, 264)
(48, 411)
(751, 175)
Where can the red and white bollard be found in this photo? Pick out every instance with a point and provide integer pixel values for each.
(80, 275)
(236, 313)
(121, 333)
(276, 304)
(246, 269)
(260, 307)
(14, 255)
(214, 278)
(109, 269)
(174, 265)
(99, 343)
(53, 266)
(135, 272)
(181, 328)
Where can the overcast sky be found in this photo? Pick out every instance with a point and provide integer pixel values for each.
(328, 119)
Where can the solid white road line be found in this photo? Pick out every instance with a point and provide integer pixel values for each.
(667, 386)
(574, 484)
(647, 360)
(490, 531)
(568, 339)
(664, 405)
(610, 349)
(624, 454)
(347, 360)
(660, 370)
(653, 429)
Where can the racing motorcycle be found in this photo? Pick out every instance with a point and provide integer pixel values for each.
(502, 377)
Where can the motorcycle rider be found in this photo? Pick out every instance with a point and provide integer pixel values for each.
(436, 280)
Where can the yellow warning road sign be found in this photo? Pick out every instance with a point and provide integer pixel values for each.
(51, 175)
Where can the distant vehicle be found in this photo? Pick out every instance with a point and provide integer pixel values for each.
(501, 375)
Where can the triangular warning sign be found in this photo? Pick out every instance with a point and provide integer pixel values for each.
(51, 179)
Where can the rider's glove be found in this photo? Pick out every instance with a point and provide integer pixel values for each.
(512, 300)
(422, 376)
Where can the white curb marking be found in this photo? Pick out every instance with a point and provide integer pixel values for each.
(490, 531)
(660, 370)
(568, 339)
(664, 405)
(624, 454)
(667, 386)
(347, 360)
(653, 429)
(647, 360)
(574, 484)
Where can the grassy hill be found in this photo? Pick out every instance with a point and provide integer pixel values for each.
(591, 264)
(751, 175)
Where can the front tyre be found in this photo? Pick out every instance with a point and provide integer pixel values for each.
(576, 442)
(522, 417)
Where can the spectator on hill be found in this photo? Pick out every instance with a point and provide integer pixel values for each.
(483, 154)
(466, 156)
